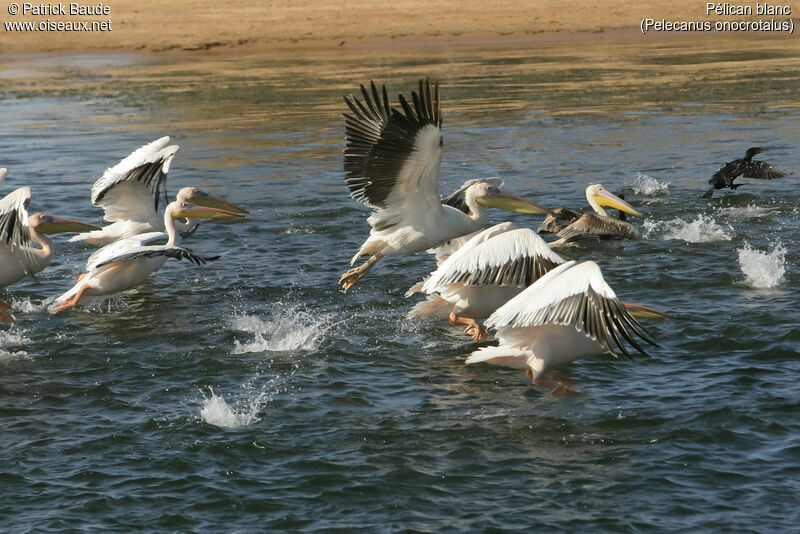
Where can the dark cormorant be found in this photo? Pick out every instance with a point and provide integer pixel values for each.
(747, 167)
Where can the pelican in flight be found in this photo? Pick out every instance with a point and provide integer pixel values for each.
(569, 313)
(126, 263)
(392, 163)
(487, 271)
(130, 193)
(570, 225)
(747, 167)
(19, 235)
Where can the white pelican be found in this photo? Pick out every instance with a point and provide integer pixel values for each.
(747, 167)
(570, 225)
(130, 193)
(392, 161)
(569, 313)
(19, 232)
(490, 269)
(128, 262)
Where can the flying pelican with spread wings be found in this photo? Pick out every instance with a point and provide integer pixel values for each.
(392, 162)
(126, 263)
(569, 313)
(131, 193)
(570, 225)
(487, 271)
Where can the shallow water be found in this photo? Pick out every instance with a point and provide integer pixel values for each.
(251, 395)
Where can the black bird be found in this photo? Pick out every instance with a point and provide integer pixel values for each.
(747, 167)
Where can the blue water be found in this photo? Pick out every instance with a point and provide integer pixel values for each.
(249, 394)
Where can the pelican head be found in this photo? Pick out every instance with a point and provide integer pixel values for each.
(597, 195)
(489, 195)
(199, 197)
(182, 208)
(46, 224)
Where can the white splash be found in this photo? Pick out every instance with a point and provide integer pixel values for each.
(762, 269)
(11, 339)
(288, 329)
(703, 229)
(747, 212)
(216, 411)
(645, 185)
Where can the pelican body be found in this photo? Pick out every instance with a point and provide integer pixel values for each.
(747, 167)
(126, 263)
(392, 161)
(130, 194)
(490, 269)
(570, 226)
(569, 313)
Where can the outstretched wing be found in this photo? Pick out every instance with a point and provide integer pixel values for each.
(574, 295)
(113, 250)
(557, 220)
(762, 170)
(131, 189)
(155, 251)
(592, 225)
(392, 157)
(517, 257)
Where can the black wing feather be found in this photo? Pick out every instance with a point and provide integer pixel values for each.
(379, 139)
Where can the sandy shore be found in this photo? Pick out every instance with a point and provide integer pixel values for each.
(287, 24)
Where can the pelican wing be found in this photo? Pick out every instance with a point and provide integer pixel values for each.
(118, 248)
(762, 170)
(14, 230)
(516, 257)
(574, 294)
(131, 189)
(557, 220)
(154, 251)
(592, 225)
(458, 199)
(392, 157)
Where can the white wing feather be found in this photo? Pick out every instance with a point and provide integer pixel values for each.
(494, 247)
(566, 280)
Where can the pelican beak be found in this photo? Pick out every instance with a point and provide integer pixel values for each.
(643, 312)
(213, 202)
(58, 226)
(202, 212)
(610, 200)
(509, 202)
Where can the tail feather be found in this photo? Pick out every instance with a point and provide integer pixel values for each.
(435, 306)
(501, 355)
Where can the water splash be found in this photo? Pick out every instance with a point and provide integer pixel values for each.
(216, 410)
(288, 329)
(747, 212)
(762, 269)
(11, 339)
(703, 229)
(645, 185)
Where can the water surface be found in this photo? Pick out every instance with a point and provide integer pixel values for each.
(251, 395)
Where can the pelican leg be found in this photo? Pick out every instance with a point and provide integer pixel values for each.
(354, 275)
(5, 313)
(558, 384)
(74, 300)
(477, 331)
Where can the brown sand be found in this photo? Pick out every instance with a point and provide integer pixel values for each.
(296, 24)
